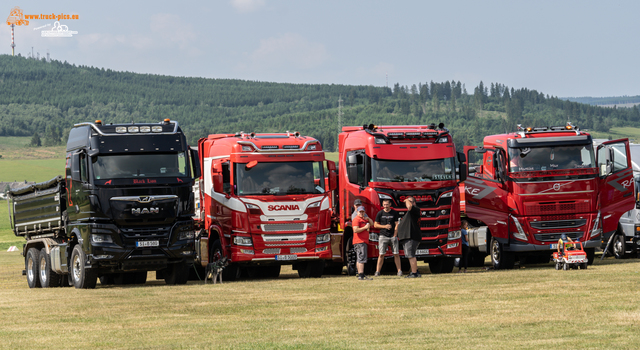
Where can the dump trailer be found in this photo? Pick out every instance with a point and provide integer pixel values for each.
(122, 209)
(526, 189)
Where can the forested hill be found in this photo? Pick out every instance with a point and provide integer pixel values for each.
(49, 97)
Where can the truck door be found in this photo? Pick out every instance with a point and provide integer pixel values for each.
(485, 190)
(79, 185)
(615, 183)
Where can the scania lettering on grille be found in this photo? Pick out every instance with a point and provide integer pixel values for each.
(142, 211)
(283, 207)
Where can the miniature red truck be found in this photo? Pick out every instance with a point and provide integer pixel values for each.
(571, 256)
(393, 162)
(525, 189)
(264, 202)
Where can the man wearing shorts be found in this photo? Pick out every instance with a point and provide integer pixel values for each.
(361, 225)
(387, 223)
(410, 235)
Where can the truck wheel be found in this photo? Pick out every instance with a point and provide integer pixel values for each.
(31, 262)
(229, 273)
(583, 266)
(312, 269)
(619, 247)
(177, 273)
(500, 259)
(557, 265)
(565, 266)
(435, 266)
(82, 277)
(591, 255)
(351, 258)
(48, 278)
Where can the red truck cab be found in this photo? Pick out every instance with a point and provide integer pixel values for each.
(393, 162)
(265, 203)
(525, 189)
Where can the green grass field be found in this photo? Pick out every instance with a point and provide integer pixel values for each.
(618, 133)
(529, 308)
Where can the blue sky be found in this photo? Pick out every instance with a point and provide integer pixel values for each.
(561, 48)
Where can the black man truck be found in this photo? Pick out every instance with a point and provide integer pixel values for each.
(122, 209)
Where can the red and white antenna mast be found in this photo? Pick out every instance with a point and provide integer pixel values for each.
(13, 44)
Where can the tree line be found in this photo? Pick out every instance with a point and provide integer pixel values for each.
(44, 99)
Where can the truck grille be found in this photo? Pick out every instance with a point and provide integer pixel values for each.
(271, 251)
(433, 223)
(284, 238)
(297, 250)
(546, 225)
(551, 208)
(283, 227)
(554, 237)
(135, 232)
(434, 233)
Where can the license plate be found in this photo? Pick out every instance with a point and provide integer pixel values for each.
(286, 257)
(422, 252)
(553, 246)
(142, 244)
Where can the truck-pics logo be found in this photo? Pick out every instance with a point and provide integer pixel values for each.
(283, 207)
(16, 17)
(142, 211)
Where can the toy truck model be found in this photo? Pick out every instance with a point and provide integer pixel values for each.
(394, 162)
(625, 241)
(525, 189)
(264, 203)
(124, 208)
(571, 256)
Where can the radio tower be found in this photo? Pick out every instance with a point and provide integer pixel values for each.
(13, 44)
(339, 118)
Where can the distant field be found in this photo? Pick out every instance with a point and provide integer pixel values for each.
(30, 169)
(7, 238)
(617, 133)
(17, 148)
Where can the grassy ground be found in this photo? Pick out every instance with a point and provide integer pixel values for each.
(530, 308)
(17, 148)
(618, 133)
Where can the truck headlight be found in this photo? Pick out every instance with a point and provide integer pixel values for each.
(596, 227)
(95, 238)
(323, 238)
(239, 240)
(187, 235)
(454, 235)
(520, 234)
(373, 237)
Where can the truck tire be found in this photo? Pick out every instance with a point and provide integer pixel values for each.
(591, 255)
(311, 269)
(48, 278)
(500, 259)
(350, 260)
(619, 247)
(82, 277)
(231, 272)
(176, 273)
(565, 266)
(31, 264)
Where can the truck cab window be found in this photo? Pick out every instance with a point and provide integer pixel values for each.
(226, 178)
(83, 168)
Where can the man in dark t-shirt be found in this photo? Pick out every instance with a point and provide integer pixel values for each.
(387, 223)
(410, 235)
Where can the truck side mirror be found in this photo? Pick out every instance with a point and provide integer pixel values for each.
(75, 167)
(195, 163)
(462, 158)
(333, 178)
(462, 171)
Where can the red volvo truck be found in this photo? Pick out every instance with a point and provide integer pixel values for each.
(264, 203)
(526, 189)
(393, 162)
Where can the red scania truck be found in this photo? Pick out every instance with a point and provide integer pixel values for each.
(264, 203)
(393, 162)
(526, 189)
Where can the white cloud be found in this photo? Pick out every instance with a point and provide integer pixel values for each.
(247, 5)
(288, 50)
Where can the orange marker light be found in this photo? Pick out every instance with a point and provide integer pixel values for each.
(98, 121)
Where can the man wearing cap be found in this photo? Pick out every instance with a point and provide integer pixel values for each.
(410, 235)
(357, 203)
(361, 225)
(564, 238)
(387, 222)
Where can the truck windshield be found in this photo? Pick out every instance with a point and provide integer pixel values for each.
(279, 178)
(551, 158)
(411, 171)
(139, 165)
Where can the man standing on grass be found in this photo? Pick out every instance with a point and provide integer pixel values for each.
(410, 235)
(387, 223)
(361, 225)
